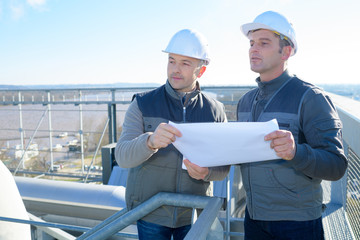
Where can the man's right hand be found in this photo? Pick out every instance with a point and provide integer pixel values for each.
(164, 135)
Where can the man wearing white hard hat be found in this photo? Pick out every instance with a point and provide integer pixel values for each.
(144, 147)
(284, 196)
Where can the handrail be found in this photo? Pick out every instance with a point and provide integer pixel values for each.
(42, 224)
(341, 219)
(201, 227)
(55, 232)
(119, 221)
(348, 110)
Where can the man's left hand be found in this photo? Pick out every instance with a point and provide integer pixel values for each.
(196, 171)
(283, 143)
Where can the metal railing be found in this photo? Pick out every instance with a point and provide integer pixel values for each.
(122, 219)
(79, 103)
(343, 195)
(115, 223)
(353, 193)
(45, 113)
(341, 218)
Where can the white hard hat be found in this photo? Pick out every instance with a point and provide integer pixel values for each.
(275, 22)
(189, 43)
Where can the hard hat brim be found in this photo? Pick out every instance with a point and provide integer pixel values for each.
(246, 28)
(207, 60)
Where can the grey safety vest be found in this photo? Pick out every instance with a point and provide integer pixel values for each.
(275, 190)
(163, 171)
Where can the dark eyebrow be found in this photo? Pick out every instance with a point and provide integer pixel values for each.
(261, 39)
(183, 61)
(265, 39)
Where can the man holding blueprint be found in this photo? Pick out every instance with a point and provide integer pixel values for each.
(281, 169)
(284, 196)
(144, 147)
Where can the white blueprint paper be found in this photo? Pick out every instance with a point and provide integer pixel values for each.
(217, 144)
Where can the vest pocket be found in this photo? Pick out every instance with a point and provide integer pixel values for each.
(151, 123)
(284, 125)
(153, 179)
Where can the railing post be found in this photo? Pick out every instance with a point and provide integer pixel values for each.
(81, 132)
(228, 208)
(112, 118)
(50, 131)
(200, 229)
(107, 157)
(21, 130)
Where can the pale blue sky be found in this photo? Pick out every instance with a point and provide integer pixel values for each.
(110, 41)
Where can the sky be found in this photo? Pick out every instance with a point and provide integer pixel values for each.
(48, 42)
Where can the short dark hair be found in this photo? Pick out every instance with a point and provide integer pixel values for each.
(283, 42)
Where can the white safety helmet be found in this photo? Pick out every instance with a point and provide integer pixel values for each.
(189, 43)
(273, 21)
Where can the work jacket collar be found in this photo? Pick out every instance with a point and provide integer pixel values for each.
(178, 95)
(266, 89)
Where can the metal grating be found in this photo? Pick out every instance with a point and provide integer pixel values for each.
(335, 224)
(353, 192)
(334, 220)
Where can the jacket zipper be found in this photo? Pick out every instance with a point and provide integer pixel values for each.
(179, 169)
(184, 113)
(183, 103)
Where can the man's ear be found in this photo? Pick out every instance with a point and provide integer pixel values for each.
(201, 71)
(286, 53)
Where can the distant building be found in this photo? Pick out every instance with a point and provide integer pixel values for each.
(31, 152)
